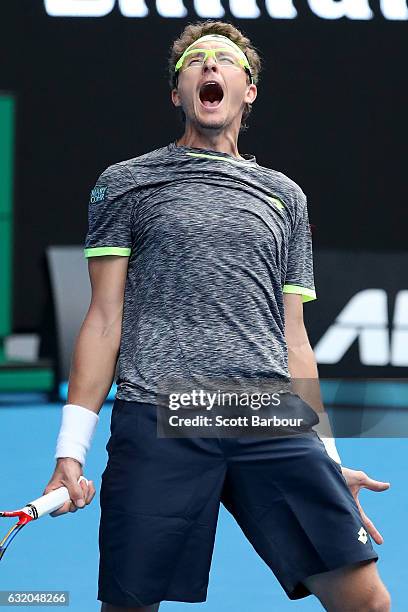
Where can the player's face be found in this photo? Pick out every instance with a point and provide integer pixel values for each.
(213, 94)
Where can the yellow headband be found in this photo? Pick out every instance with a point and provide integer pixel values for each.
(217, 37)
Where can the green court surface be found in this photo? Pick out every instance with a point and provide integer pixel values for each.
(62, 553)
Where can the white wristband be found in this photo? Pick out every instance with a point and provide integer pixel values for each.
(324, 432)
(77, 429)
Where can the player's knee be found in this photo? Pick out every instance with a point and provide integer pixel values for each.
(379, 601)
(385, 602)
(370, 600)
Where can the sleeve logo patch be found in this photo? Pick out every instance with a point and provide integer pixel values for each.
(98, 194)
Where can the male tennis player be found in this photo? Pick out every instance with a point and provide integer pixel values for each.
(200, 261)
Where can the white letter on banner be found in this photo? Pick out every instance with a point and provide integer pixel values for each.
(281, 9)
(364, 318)
(394, 9)
(78, 8)
(171, 8)
(353, 9)
(133, 8)
(399, 342)
(208, 8)
(244, 9)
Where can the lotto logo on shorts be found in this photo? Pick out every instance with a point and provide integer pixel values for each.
(98, 194)
(362, 535)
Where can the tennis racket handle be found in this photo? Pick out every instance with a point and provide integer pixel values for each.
(48, 503)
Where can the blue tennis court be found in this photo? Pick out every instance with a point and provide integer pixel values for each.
(62, 553)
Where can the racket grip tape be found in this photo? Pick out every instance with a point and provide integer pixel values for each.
(49, 502)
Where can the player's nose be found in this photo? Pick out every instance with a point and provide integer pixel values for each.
(210, 64)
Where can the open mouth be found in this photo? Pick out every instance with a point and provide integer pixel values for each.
(211, 94)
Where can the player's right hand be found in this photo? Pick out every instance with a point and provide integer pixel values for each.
(66, 474)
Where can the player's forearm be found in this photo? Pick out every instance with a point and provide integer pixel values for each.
(304, 374)
(94, 361)
(305, 378)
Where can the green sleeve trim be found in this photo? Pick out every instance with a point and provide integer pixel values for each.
(98, 251)
(307, 294)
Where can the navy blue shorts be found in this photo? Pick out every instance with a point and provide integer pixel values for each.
(160, 500)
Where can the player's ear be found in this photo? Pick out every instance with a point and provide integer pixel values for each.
(251, 93)
(175, 97)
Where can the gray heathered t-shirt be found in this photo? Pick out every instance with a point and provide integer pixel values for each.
(213, 242)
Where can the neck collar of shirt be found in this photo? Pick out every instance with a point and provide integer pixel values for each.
(247, 158)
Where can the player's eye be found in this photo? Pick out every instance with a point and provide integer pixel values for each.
(226, 59)
(194, 60)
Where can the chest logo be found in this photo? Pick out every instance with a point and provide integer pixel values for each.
(98, 194)
(277, 202)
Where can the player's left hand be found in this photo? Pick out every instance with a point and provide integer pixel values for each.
(356, 480)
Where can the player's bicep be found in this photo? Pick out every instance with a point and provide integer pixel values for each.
(108, 243)
(295, 331)
(107, 275)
